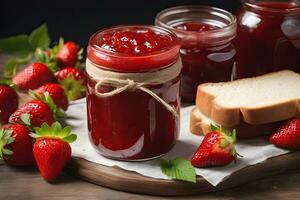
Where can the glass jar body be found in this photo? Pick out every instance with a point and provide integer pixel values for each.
(268, 38)
(135, 123)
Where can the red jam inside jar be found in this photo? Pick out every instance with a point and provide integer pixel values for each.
(205, 35)
(132, 125)
(268, 37)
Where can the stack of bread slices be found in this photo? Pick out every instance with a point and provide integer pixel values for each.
(253, 106)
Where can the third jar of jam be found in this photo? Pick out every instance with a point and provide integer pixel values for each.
(268, 37)
(205, 35)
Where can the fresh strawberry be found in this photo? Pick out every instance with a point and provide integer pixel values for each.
(216, 149)
(16, 145)
(73, 81)
(56, 92)
(39, 113)
(287, 136)
(33, 76)
(9, 101)
(51, 149)
(68, 55)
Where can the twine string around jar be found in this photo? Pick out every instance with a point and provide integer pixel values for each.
(130, 85)
(132, 81)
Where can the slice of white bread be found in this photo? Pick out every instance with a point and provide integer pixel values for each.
(200, 125)
(258, 100)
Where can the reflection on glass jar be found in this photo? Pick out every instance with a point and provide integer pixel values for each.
(205, 35)
(268, 37)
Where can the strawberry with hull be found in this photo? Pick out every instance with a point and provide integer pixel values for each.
(16, 144)
(216, 149)
(51, 149)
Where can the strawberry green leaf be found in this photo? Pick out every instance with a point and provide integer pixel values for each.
(46, 98)
(214, 127)
(8, 82)
(7, 152)
(47, 58)
(25, 117)
(54, 131)
(70, 138)
(74, 89)
(55, 49)
(224, 143)
(39, 38)
(5, 138)
(16, 44)
(179, 169)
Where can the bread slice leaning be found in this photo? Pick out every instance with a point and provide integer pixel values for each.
(258, 100)
(200, 125)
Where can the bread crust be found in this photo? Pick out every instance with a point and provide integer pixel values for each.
(231, 117)
(198, 126)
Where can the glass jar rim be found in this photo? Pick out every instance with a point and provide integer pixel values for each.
(128, 26)
(290, 11)
(227, 32)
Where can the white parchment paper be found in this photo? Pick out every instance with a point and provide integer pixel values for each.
(253, 151)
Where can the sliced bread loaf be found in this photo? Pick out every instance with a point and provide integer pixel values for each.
(259, 100)
(200, 125)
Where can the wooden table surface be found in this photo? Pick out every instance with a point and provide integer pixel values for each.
(26, 183)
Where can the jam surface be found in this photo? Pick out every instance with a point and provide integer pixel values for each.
(201, 63)
(135, 42)
(133, 49)
(267, 40)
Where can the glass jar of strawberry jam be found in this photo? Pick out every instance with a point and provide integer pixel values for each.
(133, 86)
(268, 37)
(205, 35)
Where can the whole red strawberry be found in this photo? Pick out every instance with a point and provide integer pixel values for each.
(56, 92)
(9, 101)
(16, 145)
(39, 113)
(287, 136)
(68, 55)
(51, 149)
(73, 81)
(33, 76)
(216, 149)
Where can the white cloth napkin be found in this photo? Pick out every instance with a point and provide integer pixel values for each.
(253, 151)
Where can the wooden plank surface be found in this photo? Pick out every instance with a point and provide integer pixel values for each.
(26, 184)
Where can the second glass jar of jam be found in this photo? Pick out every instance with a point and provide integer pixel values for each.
(268, 37)
(133, 97)
(205, 35)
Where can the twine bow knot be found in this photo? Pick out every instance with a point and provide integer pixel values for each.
(129, 85)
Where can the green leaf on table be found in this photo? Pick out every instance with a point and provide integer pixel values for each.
(16, 44)
(179, 169)
(39, 38)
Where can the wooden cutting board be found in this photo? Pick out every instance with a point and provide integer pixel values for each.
(120, 179)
